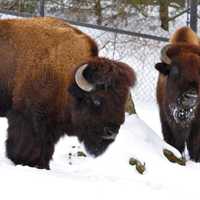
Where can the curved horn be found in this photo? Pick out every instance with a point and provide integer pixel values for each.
(81, 81)
(164, 56)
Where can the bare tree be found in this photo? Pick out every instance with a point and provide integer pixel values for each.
(19, 5)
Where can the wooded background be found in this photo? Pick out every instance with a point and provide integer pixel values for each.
(105, 12)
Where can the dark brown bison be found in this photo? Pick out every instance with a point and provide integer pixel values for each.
(52, 82)
(178, 92)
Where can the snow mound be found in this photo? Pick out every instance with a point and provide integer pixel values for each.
(108, 176)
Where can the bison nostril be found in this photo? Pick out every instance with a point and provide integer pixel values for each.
(191, 93)
(181, 116)
(188, 98)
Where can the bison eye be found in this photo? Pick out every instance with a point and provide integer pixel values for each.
(174, 72)
(96, 101)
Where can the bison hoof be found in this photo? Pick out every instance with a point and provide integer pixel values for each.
(172, 158)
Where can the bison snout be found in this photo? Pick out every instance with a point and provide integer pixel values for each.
(182, 115)
(110, 133)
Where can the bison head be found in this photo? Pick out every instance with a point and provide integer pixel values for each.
(181, 68)
(99, 92)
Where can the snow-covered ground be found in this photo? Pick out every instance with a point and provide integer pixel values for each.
(109, 176)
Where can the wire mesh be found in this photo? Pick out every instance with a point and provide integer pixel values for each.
(139, 52)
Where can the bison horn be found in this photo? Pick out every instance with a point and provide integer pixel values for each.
(81, 81)
(164, 56)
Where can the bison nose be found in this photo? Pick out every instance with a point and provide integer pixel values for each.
(110, 133)
(182, 115)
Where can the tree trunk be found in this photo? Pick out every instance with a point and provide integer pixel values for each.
(130, 107)
(164, 14)
(98, 10)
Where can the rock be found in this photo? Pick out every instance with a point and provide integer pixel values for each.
(139, 166)
(172, 158)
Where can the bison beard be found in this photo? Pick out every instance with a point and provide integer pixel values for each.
(95, 144)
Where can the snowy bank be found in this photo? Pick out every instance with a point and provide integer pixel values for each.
(109, 176)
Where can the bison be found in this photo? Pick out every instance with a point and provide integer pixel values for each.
(178, 92)
(53, 83)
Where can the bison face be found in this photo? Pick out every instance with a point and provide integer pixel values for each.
(182, 73)
(99, 93)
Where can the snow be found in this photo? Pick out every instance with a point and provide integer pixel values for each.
(109, 176)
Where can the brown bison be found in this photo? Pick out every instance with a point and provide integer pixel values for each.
(52, 82)
(178, 92)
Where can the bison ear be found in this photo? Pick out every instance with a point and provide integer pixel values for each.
(163, 68)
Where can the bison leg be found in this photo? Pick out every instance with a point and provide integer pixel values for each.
(5, 102)
(193, 144)
(171, 138)
(26, 146)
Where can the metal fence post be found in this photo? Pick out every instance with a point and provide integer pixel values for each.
(41, 7)
(193, 14)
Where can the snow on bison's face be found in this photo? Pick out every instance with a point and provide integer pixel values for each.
(181, 66)
(99, 92)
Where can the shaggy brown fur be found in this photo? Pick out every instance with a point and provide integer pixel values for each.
(184, 35)
(40, 98)
(178, 92)
(37, 42)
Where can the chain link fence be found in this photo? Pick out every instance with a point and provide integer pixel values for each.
(140, 53)
(138, 45)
